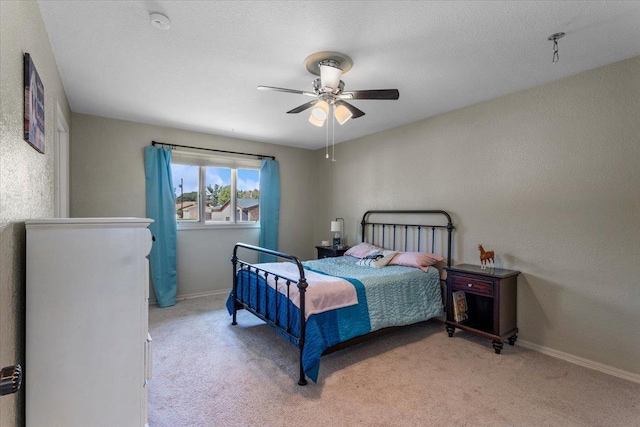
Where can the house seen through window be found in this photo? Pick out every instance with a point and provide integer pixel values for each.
(210, 194)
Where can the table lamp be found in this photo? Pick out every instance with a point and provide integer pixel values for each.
(336, 228)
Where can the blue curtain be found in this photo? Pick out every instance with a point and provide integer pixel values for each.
(269, 207)
(161, 207)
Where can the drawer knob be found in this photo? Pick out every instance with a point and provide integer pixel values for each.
(470, 285)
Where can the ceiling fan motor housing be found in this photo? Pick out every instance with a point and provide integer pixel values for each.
(325, 90)
(330, 63)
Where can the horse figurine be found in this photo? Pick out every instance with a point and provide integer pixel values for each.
(486, 258)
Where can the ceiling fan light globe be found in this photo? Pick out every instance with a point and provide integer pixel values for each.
(342, 114)
(330, 77)
(320, 111)
(315, 121)
(319, 114)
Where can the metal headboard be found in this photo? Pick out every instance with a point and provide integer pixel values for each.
(407, 236)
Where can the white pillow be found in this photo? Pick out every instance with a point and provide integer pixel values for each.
(361, 250)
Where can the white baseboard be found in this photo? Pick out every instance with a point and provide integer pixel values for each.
(196, 295)
(202, 294)
(630, 376)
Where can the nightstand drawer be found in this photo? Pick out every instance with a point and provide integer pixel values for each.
(471, 284)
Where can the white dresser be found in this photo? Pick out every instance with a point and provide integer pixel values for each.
(88, 351)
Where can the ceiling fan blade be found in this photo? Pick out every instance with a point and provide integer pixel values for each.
(303, 107)
(371, 94)
(355, 111)
(281, 89)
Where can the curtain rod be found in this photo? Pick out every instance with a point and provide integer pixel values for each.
(260, 156)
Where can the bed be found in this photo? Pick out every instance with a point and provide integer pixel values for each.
(391, 279)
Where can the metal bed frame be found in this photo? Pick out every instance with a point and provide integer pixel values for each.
(392, 234)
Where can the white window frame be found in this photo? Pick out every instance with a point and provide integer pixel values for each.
(206, 160)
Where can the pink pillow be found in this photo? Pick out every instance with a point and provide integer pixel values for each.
(361, 250)
(420, 260)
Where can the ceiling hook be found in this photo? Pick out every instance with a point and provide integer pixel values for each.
(555, 37)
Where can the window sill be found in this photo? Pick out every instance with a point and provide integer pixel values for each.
(224, 226)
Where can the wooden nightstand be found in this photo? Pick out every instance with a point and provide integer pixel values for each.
(330, 251)
(491, 301)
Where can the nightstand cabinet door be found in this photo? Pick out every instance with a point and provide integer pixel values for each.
(491, 301)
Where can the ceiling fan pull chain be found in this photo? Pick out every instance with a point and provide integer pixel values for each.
(327, 141)
(333, 135)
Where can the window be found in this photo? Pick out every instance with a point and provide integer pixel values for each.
(215, 190)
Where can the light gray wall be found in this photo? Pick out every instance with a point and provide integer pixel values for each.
(548, 178)
(107, 179)
(26, 176)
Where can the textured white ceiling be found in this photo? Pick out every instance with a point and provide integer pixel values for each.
(202, 73)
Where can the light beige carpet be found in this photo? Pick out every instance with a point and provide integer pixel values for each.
(207, 372)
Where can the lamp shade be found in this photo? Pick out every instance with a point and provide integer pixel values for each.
(330, 77)
(313, 120)
(342, 114)
(335, 226)
(321, 110)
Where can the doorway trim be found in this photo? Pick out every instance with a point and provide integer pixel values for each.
(61, 144)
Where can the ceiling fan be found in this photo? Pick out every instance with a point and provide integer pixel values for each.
(328, 89)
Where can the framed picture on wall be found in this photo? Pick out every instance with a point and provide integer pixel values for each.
(33, 106)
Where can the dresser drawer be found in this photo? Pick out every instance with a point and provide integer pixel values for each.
(471, 284)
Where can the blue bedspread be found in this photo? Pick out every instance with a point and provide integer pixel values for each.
(389, 296)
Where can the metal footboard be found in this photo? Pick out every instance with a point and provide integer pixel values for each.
(259, 307)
